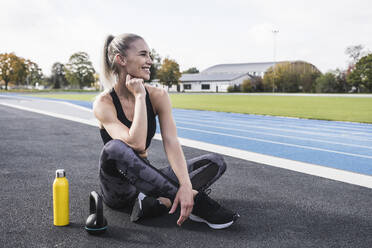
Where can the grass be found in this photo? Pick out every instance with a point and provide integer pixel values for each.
(310, 107)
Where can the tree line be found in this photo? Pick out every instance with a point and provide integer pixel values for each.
(301, 76)
(297, 76)
(18, 70)
(77, 73)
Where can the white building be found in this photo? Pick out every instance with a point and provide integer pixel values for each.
(217, 78)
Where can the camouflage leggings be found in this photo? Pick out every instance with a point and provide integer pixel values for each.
(123, 174)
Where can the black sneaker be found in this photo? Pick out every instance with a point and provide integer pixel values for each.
(210, 212)
(145, 207)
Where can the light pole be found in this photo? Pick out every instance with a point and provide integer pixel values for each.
(275, 32)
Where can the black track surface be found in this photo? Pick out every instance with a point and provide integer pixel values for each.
(278, 208)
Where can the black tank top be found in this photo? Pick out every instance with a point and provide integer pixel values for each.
(151, 121)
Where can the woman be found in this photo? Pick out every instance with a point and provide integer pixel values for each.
(126, 111)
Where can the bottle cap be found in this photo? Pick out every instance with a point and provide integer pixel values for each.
(60, 173)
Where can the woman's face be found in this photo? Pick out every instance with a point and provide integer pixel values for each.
(138, 60)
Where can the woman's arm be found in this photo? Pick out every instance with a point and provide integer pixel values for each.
(175, 156)
(135, 136)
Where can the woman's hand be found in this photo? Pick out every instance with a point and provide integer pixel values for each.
(135, 85)
(185, 197)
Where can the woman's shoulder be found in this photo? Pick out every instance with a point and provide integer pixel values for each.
(157, 96)
(103, 107)
(104, 96)
(102, 99)
(155, 92)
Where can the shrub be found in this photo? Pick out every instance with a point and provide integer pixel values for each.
(326, 83)
(246, 86)
(233, 88)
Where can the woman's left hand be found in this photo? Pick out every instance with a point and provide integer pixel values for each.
(185, 197)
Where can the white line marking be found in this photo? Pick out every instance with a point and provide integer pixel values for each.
(278, 143)
(76, 106)
(272, 134)
(281, 129)
(61, 116)
(311, 169)
(279, 119)
(31, 98)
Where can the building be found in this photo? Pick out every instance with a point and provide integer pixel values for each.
(217, 78)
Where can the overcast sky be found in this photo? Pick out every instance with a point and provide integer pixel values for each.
(195, 33)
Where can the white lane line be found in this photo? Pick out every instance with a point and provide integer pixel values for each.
(313, 126)
(61, 116)
(285, 136)
(245, 124)
(277, 143)
(260, 121)
(76, 106)
(275, 120)
(31, 98)
(276, 135)
(311, 169)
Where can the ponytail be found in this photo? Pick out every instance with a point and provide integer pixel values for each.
(112, 47)
(107, 76)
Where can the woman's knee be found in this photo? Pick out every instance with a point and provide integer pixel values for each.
(116, 150)
(115, 146)
(112, 152)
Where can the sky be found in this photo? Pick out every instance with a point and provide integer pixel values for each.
(195, 33)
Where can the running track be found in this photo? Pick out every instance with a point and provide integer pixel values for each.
(343, 146)
(340, 145)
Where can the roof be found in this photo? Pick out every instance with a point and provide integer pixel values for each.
(243, 67)
(226, 72)
(211, 77)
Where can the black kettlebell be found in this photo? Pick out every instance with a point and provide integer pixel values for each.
(96, 223)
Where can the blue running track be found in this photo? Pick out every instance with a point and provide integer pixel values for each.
(341, 145)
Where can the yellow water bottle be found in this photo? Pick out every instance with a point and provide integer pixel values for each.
(60, 199)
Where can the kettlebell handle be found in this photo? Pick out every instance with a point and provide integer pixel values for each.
(96, 206)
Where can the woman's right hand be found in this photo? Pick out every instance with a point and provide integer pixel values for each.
(135, 85)
(184, 197)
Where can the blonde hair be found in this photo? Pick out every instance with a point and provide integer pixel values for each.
(112, 47)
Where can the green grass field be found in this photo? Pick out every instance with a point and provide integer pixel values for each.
(311, 107)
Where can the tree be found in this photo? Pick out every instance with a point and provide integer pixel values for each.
(233, 88)
(361, 76)
(156, 64)
(7, 71)
(246, 86)
(12, 69)
(191, 70)
(79, 70)
(169, 73)
(291, 77)
(34, 73)
(58, 77)
(342, 84)
(355, 53)
(326, 83)
(257, 84)
(21, 71)
(280, 78)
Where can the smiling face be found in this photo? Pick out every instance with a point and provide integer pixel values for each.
(138, 60)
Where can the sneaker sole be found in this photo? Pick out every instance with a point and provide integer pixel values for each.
(214, 226)
(136, 211)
